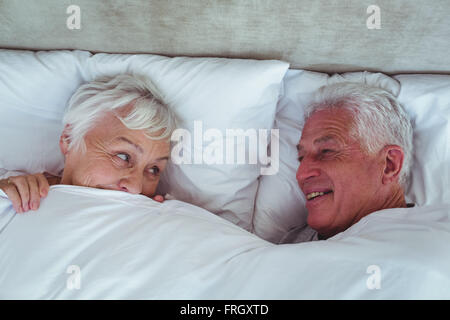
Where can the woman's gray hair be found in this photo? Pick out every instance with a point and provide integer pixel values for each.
(96, 98)
(378, 117)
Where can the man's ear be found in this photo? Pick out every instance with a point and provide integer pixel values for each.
(393, 163)
(64, 140)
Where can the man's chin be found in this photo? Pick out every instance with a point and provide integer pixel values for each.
(319, 218)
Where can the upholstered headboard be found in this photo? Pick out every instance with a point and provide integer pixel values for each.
(328, 36)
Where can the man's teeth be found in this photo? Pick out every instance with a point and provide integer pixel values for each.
(314, 194)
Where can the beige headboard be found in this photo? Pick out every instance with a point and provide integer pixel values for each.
(328, 36)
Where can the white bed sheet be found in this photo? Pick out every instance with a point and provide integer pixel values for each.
(131, 247)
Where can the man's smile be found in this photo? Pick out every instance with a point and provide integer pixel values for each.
(316, 194)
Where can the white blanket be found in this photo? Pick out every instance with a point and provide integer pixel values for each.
(88, 243)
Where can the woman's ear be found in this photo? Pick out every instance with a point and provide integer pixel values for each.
(393, 163)
(64, 140)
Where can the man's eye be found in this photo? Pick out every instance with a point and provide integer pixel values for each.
(154, 170)
(123, 156)
(325, 151)
(300, 159)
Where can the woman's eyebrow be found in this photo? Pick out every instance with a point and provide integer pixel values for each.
(136, 146)
(139, 148)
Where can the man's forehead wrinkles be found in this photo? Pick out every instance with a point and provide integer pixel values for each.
(336, 121)
(325, 128)
(325, 138)
(330, 134)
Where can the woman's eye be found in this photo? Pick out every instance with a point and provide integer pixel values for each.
(123, 156)
(154, 170)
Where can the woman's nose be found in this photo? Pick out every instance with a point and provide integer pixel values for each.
(132, 183)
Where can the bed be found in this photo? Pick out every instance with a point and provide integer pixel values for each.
(251, 66)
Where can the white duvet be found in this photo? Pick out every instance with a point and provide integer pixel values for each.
(86, 243)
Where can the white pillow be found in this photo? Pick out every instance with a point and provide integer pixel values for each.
(426, 98)
(427, 101)
(222, 93)
(34, 90)
(280, 204)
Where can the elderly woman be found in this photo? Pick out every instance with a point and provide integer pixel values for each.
(116, 136)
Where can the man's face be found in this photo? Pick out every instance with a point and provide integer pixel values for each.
(117, 158)
(340, 181)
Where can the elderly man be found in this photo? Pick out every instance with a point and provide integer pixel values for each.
(116, 136)
(355, 155)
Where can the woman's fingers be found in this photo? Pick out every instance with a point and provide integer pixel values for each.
(10, 189)
(35, 196)
(22, 187)
(25, 192)
(43, 185)
(158, 198)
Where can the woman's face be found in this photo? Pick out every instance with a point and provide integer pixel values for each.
(116, 158)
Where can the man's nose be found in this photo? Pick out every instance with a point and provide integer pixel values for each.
(307, 169)
(132, 182)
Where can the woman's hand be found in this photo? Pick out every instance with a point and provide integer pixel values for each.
(26, 191)
(158, 198)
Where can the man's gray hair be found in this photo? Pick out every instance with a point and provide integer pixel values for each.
(378, 117)
(96, 98)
